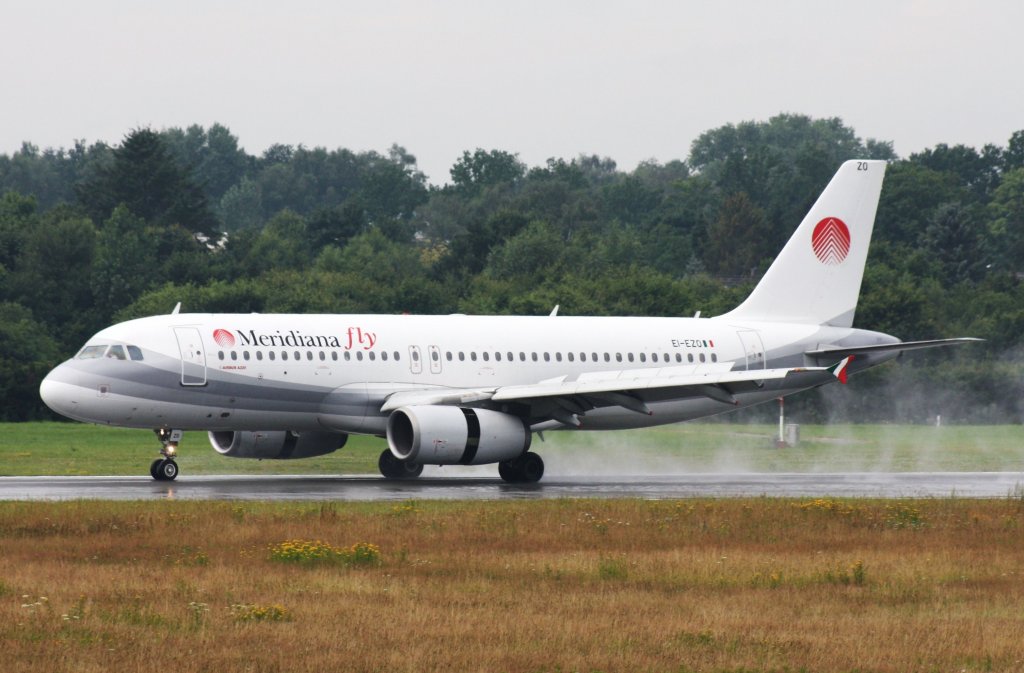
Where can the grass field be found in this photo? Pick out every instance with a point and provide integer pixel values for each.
(79, 449)
(697, 585)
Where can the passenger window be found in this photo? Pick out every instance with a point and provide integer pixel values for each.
(472, 356)
(487, 356)
(534, 357)
(323, 356)
(593, 356)
(284, 355)
(359, 355)
(462, 356)
(116, 353)
(643, 357)
(433, 356)
(689, 357)
(309, 355)
(334, 355)
(397, 357)
(497, 356)
(547, 357)
(245, 355)
(384, 355)
(522, 356)
(234, 355)
(570, 357)
(618, 357)
(629, 356)
(134, 352)
(348, 355)
(259, 355)
(714, 357)
(679, 357)
(607, 357)
(373, 355)
(415, 356)
(702, 357)
(298, 355)
(272, 355)
(220, 355)
(510, 356)
(654, 357)
(558, 357)
(448, 356)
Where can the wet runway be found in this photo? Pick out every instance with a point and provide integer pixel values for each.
(367, 488)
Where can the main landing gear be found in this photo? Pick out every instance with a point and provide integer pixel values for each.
(526, 469)
(393, 468)
(166, 469)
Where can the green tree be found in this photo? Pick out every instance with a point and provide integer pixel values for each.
(480, 169)
(241, 207)
(145, 177)
(953, 240)
(27, 353)
(1007, 221)
(735, 243)
(51, 276)
(125, 262)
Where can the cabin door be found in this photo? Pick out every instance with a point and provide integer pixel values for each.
(753, 349)
(193, 356)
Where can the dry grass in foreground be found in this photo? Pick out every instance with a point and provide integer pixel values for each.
(701, 585)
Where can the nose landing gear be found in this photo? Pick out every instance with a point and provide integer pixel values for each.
(166, 469)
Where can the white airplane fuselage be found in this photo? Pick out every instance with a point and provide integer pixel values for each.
(324, 372)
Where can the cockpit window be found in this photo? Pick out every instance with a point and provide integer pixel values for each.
(117, 353)
(134, 352)
(91, 352)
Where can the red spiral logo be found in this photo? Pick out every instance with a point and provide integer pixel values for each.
(224, 338)
(831, 240)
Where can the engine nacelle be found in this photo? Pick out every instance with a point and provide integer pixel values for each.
(437, 435)
(276, 444)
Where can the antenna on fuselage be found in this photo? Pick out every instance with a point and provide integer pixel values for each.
(177, 307)
(697, 314)
(554, 311)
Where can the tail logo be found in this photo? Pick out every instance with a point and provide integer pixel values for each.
(224, 338)
(831, 240)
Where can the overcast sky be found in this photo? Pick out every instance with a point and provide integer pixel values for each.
(629, 80)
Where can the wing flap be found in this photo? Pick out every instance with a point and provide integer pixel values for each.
(714, 384)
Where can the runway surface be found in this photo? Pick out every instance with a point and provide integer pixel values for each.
(367, 488)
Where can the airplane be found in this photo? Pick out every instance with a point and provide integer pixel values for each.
(471, 390)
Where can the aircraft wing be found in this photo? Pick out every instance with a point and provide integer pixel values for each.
(842, 351)
(562, 399)
(439, 396)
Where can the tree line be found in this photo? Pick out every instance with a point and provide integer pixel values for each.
(96, 234)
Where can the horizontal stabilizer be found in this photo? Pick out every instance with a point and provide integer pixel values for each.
(841, 351)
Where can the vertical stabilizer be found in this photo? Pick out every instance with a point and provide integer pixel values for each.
(816, 278)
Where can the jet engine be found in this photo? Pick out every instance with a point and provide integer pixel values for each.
(439, 435)
(276, 444)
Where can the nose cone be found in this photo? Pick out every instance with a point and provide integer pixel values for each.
(59, 395)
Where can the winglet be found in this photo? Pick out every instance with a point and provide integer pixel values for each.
(839, 369)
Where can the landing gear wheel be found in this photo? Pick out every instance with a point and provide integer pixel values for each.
(526, 469)
(531, 469)
(164, 470)
(393, 468)
(507, 472)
